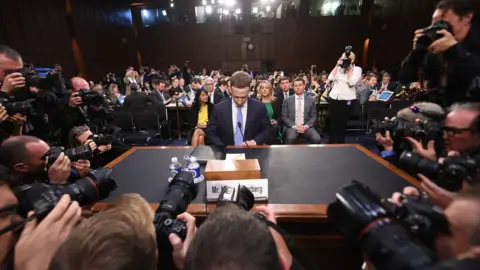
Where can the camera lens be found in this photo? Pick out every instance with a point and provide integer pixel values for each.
(414, 163)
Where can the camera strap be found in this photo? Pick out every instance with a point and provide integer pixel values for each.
(288, 239)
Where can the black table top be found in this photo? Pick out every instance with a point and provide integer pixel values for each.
(296, 175)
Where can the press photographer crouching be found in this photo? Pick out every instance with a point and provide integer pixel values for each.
(82, 135)
(448, 53)
(411, 234)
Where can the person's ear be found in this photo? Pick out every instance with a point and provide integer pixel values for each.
(20, 167)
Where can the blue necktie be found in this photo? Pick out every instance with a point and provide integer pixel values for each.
(238, 132)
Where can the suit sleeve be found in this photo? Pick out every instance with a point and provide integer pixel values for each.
(286, 121)
(277, 111)
(212, 129)
(312, 116)
(266, 129)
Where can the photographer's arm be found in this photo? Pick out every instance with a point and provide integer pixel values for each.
(411, 64)
(333, 74)
(354, 76)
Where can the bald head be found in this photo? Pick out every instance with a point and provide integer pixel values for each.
(79, 83)
(14, 150)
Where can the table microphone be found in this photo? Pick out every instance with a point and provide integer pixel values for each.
(239, 125)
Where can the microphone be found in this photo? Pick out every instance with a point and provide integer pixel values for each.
(239, 125)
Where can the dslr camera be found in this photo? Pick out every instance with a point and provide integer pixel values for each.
(392, 237)
(181, 191)
(238, 195)
(430, 33)
(74, 154)
(400, 129)
(25, 107)
(101, 139)
(50, 83)
(91, 98)
(448, 175)
(42, 198)
(346, 61)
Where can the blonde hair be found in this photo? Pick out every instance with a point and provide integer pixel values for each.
(259, 90)
(135, 207)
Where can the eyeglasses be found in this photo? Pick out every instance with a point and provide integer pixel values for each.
(452, 131)
(11, 209)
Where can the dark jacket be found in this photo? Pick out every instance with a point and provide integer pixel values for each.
(277, 111)
(279, 95)
(217, 97)
(136, 102)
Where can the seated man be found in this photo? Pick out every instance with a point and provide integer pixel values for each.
(299, 115)
(239, 120)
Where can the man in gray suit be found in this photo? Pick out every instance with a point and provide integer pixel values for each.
(299, 115)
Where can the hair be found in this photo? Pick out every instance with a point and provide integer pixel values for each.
(10, 53)
(259, 90)
(136, 207)
(209, 79)
(240, 79)
(283, 79)
(316, 78)
(386, 74)
(299, 79)
(351, 57)
(241, 241)
(157, 81)
(427, 111)
(14, 150)
(112, 239)
(110, 88)
(473, 194)
(197, 81)
(469, 106)
(98, 88)
(197, 103)
(460, 7)
(223, 82)
(74, 133)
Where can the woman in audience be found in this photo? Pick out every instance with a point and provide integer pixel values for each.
(266, 95)
(199, 114)
(114, 95)
(175, 90)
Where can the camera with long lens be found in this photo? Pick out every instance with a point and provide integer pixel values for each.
(32, 79)
(392, 237)
(427, 130)
(101, 139)
(181, 191)
(449, 175)
(74, 154)
(25, 107)
(91, 98)
(430, 33)
(42, 198)
(238, 195)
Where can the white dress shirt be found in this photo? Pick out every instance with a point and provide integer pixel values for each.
(234, 116)
(344, 87)
(302, 110)
(210, 97)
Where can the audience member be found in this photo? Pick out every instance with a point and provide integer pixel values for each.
(239, 120)
(299, 115)
(386, 84)
(114, 95)
(137, 101)
(214, 97)
(285, 91)
(222, 88)
(461, 131)
(368, 90)
(199, 114)
(159, 95)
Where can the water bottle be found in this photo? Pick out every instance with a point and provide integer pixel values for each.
(194, 169)
(175, 168)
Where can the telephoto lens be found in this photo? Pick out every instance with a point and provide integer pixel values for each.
(74, 154)
(239, 195)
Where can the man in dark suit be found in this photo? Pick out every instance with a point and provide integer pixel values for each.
(137, 101)
(284, 92)
(386, 84)
(238, 116)
(214, 97)
(222, 88)
(299, 114)
(159, 95)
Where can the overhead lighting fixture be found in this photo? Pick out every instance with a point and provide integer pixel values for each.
(229, 2)
(267, 8)
(172, 5)
(272, 1)
(226, 12)
(208, 9)
(213, 2)
(255, 10)
(145, 13)
(204, 2)
(164, 12)
(238, 11)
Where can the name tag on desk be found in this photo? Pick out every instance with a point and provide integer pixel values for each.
(259, 188)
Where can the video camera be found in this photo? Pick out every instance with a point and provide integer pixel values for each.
(449, 175)
(239, 195)
(392, 237)
(42, 198)
(74, 154)
(430, 33)
(346, 61)
(427, 130)
(181, 191)
(91, 98)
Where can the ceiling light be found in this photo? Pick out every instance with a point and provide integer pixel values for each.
(267, 8)
(226, 12)
(208, 9)
(172, 5)
(204, 2)
(213, 2)
(255, 10)
(263, 1)
(238, 11)
(164, 12)
(229, 2)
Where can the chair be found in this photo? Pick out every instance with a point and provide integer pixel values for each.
(124, 120)
(147, 127)
(357, 118)
(376, 110)
(398, 105)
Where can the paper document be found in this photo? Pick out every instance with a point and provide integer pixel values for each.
(235, 157)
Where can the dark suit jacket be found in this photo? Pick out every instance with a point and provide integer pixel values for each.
(225, 94)
(220, 127)
(309, 113)
(392, 86)
(217, 97)
(137, 101)
(157, 97)
(193, 120)
(280, 96)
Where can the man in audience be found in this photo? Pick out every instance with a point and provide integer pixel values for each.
(10, 60)
(368, 91)
(214, 97)
(28, 156)
(386, 84)
(222, 88)
(137, 101)
(187, 89)
(239, 120)
(159, 95)
(242, 241)
(299, 115)
(285, 91)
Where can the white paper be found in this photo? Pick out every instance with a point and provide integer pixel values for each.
(259, 188)
(231, 157)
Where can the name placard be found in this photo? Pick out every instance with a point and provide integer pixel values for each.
(259, 188)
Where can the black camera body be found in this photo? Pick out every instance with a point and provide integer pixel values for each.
(427, 130)
(430, 34)
(101, 139)
(42, 198)
(91, 98)
(448, 175)
(74, 154)
(25, 107)
(49, 83)
(346, 61)
(238, 195)
(181, 191)
(392, 237)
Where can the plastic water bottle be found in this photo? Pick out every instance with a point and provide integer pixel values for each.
(175, 168)
(194, 169)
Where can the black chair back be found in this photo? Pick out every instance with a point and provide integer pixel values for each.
(146, 121)
(124, 120)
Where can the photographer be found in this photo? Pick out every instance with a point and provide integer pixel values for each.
(28, 157)
(449, 58)
(82, 135)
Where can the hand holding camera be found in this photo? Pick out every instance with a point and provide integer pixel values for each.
(3, 113)
(180, 248)
(13, 81)
(428, 153)
(75, 100)
(59, 172)
(39, 241)
(386, 141)
(82, 166)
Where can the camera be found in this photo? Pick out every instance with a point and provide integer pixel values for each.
(346, 61)
(74, 154)
(448, 175)
(399, 129)
(91, 98)
(430, 33)
(26, 107)
(392, 237)
(49, 83)
(42, 198)
(181, 191)
(100, 139)
(238, 195)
